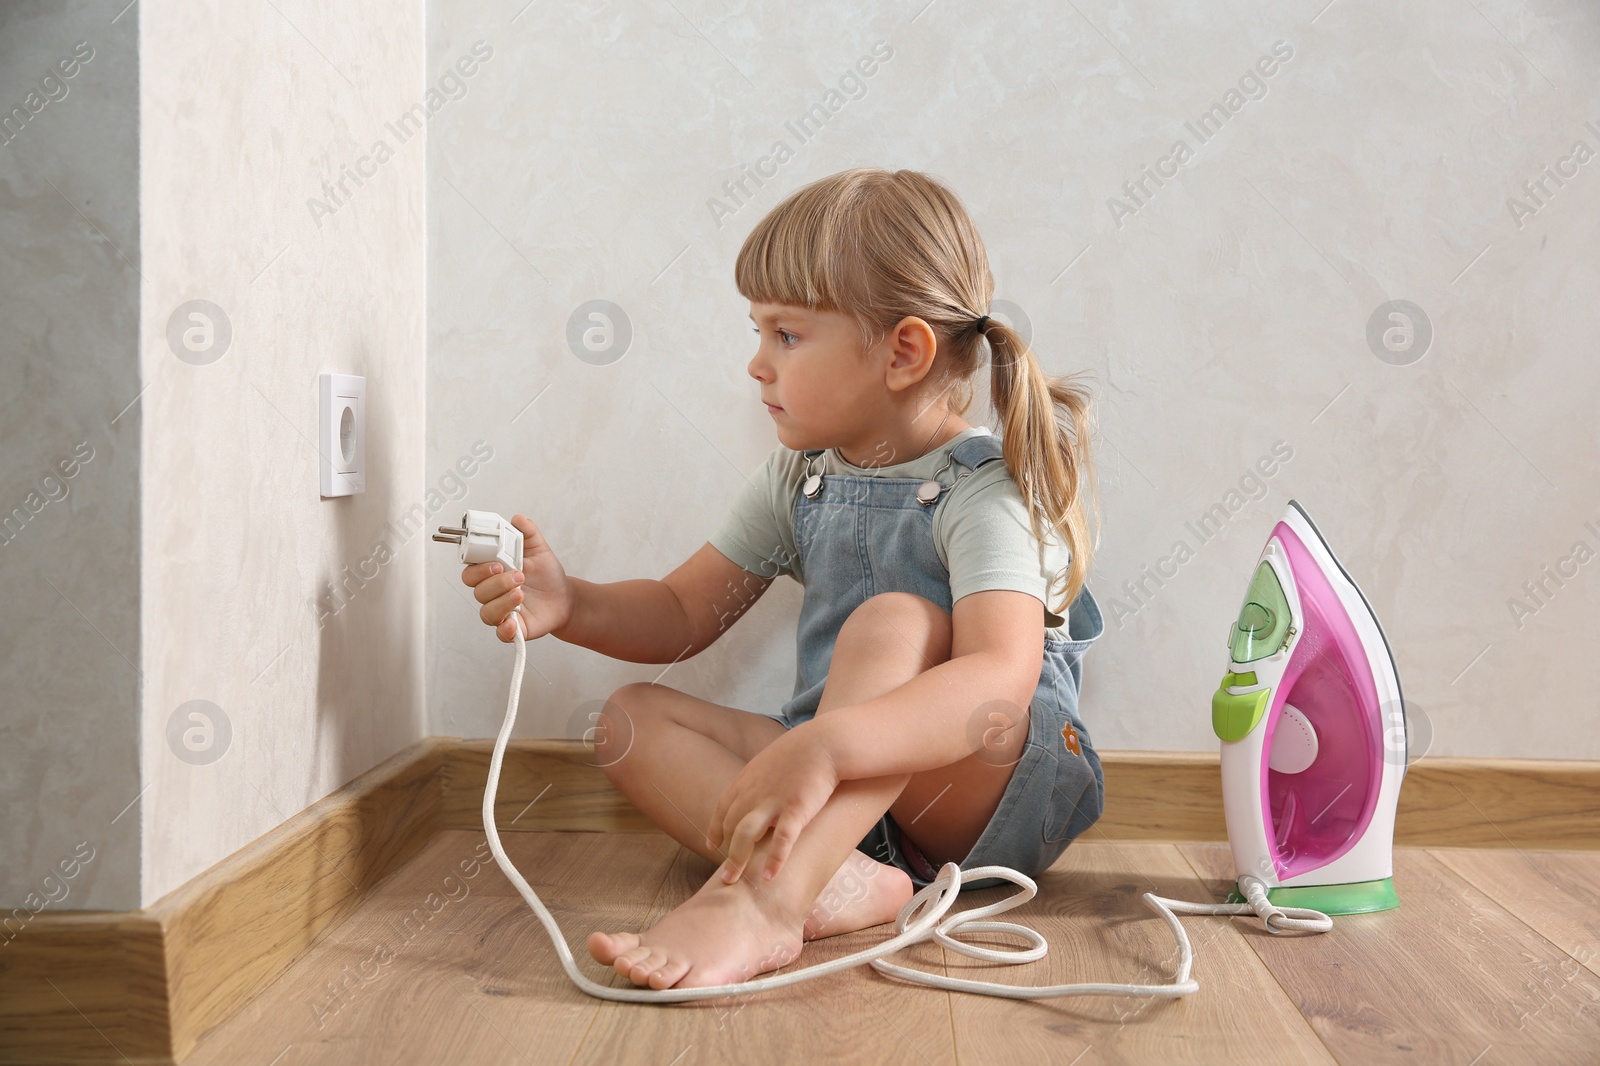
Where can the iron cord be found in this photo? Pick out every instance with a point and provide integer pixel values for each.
(918, 920)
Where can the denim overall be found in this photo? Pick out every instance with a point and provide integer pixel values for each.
(861, 536)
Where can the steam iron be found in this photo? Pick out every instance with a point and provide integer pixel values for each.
(1313, 732)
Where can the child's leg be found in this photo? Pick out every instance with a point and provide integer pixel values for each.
(673, 755)
(729, 933)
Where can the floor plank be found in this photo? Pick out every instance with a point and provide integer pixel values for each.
(1555, 892)
(1439, 979)
(440, 964)
(444, 962)
(1091, 911)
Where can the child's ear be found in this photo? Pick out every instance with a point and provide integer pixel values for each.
(912, 347)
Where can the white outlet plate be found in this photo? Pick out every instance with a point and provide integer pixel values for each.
(342, 437)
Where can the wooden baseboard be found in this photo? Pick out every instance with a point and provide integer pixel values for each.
(1150, 795)
(1532, 804)
(142, 986)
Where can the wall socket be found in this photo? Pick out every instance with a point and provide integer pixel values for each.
(342, 440)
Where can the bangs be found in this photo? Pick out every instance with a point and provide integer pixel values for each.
(807, 252)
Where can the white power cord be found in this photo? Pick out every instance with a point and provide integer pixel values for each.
(912, 925)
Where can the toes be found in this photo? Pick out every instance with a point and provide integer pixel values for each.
(627, 960)
(640, 972)
(606, 947)
(670, 973)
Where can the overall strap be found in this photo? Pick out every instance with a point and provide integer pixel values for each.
(971, 453)
(978, 449)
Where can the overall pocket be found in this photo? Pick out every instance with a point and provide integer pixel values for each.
(1077, 791)
(1077, 794)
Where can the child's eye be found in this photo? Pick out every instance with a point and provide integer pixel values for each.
(783, 334)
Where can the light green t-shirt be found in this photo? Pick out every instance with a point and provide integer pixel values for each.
(980, 526)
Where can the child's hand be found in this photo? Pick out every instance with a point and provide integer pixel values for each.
(540, 591)
(782, 788)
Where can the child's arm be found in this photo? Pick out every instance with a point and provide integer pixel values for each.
(637, 620)
(676, 618)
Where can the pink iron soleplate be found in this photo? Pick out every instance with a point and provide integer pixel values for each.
(1326, 809)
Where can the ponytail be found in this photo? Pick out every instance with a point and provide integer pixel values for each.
(1049, 458)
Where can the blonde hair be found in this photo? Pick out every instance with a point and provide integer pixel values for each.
(881, 245)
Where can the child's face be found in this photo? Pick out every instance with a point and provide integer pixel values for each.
(820, 389)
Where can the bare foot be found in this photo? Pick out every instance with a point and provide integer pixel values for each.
(863, 893)
(723, 934)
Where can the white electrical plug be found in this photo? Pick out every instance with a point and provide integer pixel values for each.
(485, 537)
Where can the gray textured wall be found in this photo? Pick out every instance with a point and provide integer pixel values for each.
(70, 642)
(1362, 154)
(222, 647)
(247, 110)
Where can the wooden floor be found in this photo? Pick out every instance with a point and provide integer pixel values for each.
(1492, 957)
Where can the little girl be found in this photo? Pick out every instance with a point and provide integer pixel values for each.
(935, 710)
